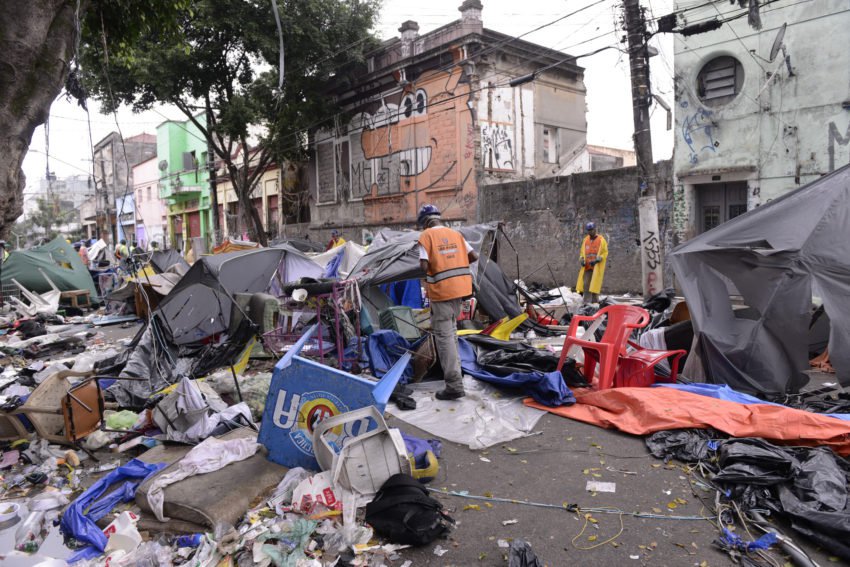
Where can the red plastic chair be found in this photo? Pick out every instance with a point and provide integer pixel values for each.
(622, 320)
(637, 368)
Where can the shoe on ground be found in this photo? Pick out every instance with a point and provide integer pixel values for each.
(449, 395)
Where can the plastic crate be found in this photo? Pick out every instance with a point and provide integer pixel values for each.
(400, 319)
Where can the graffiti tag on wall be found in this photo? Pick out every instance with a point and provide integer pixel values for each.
(497, 146)
(698, 132)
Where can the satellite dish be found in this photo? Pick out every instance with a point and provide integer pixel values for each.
(777, 43)
(163, 165)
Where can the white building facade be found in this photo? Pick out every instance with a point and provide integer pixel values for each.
(759, 112)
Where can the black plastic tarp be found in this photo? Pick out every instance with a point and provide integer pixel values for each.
(805, 485)
(776, 258)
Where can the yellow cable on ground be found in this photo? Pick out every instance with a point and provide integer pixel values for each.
(601, 543)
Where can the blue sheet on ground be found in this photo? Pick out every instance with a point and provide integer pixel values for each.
(547, 388)
(385, 347)
(79, 518)
(724, 392)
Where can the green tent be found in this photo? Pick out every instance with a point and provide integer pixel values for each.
(57, 259)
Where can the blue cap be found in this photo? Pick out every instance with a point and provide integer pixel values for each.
(425, 212)
(590, 226)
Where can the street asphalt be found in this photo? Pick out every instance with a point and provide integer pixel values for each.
(553, 467)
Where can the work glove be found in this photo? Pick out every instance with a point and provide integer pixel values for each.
(595, 262)
(581, 262)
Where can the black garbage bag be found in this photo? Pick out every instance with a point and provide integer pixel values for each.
(808, 486)
(755, 462)
(660, 301)
(688, 445)
(521, 555)
(817, 502)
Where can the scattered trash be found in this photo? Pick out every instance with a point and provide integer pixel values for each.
(597, 486)
(439, 550)
(509, 522)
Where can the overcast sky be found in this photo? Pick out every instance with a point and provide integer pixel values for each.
(609, 108)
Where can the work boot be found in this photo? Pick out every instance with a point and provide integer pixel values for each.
(449, 395)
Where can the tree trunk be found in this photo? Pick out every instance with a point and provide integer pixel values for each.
(37, 44)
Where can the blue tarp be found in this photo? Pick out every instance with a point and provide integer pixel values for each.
(724, 392)
(79, 518)
(405, 292)
(547, 388)
(384, 348)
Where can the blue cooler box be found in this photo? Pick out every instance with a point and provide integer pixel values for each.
(304, 392)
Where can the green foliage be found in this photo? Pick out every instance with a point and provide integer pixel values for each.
(224, 54)
(222, 57)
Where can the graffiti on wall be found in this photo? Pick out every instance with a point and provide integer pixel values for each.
(497, 146)
(835, 136)
(415, 139)
(698, 132)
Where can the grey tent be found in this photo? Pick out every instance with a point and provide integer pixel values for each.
(200, 304)
(393, 256)
(776, 257)
(161, 260)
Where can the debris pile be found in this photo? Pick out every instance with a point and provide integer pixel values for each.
(277, 407)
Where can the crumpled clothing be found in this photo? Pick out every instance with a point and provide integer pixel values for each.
(210, 455)
(188, 415)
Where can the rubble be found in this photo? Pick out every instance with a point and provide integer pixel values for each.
(237, 423)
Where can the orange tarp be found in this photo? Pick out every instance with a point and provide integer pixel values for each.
(641, 411)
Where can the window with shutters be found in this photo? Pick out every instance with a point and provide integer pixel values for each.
(720, 81)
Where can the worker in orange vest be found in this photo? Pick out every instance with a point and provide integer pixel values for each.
(445, 256)
(593, 257)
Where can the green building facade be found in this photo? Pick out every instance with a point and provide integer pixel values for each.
(184, 181)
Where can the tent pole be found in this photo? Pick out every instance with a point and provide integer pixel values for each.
(236, 383)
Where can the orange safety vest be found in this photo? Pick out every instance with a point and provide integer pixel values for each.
(591, 250)
(448, 275)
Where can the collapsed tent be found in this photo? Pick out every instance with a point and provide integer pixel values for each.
(776, 257)
(57, 260)
(200, 304)
(300, 244)
(161, 260)
(339, 261)
(393, 256)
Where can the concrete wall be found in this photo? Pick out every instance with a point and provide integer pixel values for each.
(545, 218)
(783, 129)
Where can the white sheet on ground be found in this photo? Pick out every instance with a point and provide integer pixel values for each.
(484, 417)
(211, 455)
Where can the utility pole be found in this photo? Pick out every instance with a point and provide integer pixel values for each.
(213, 182)
(650, 241)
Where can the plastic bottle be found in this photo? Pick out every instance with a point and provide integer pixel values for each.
(30, 536)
